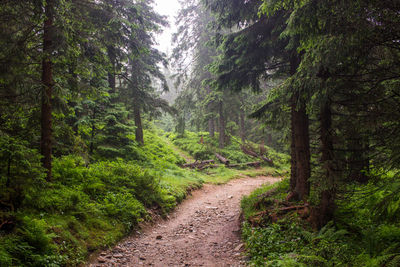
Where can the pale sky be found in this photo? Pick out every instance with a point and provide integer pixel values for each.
(168, 8)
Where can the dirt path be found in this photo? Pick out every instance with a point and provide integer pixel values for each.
(203, 231)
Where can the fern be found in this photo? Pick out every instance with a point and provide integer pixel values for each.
(394, 261)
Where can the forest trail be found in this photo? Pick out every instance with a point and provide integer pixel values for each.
(203, 231)
(181, 152)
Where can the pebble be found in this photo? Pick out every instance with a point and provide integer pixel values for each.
(209, 233)
(237, 248)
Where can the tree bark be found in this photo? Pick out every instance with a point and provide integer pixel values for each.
(221, 125)
(323, 213)
(302, 151)
(242, 125)
(222, 159)
(300, 143)
(138, 124)
(211, 127)
(292, 150)
(47, 81)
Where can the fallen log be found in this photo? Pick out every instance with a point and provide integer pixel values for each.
(251, 164)
(222, 159)
(267, 160)
(208, 166)
(287, 209)
(274, 214)
(248, 151)
(198, 164)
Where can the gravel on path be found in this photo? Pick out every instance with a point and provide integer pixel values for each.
(203, 231)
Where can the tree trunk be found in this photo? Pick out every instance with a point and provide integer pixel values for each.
(323, 213)
(300, 143)
(293, 164)
(211, 127)
(221, 125)
(222, 159)
(302, 152)
(138, 124)
(242, 126)
(47, 80)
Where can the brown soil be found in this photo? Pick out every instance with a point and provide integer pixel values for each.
(203, 231)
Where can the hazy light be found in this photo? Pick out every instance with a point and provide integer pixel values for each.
(170, 9)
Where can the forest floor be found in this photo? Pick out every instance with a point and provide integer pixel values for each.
(203, 231)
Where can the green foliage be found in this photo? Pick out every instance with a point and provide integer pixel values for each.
(191, 143)
(248, 203)
(123, 207)
(87, 207)
(355, 239)
(30, 245)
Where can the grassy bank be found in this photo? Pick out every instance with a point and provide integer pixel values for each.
(354, 238)
(86, 207)
(190, 143)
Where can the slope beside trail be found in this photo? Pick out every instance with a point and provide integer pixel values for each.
(203, 231)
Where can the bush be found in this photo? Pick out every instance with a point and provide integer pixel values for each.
(355, 239)
(123, 207)
(84, 207)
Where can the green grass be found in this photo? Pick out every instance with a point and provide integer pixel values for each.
(354, 238)
(190, 144)
(220, 175)
(89, 207)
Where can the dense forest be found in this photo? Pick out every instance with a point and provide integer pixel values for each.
(99, 128)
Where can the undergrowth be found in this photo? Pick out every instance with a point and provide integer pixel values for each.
(86, 207)
(203, 147)
(354, 238)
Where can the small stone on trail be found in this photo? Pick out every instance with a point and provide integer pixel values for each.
(103, 254)
(238, 247)
(118, 256)
(101, 260)
(142, 258)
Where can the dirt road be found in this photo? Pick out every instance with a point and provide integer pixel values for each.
(203, 231)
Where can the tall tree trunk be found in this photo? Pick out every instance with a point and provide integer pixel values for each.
(138, 124)
(221, 125)
(47, 81)
(242, 125)
(302, 152)
(211, 127)
(293, 165)
(323, 213)
(300, 142)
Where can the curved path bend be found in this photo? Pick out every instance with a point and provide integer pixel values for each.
(203, 231)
